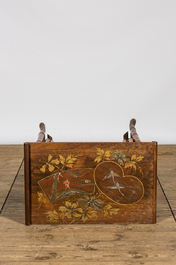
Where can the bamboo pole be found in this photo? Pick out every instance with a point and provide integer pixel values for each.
(49, 138)
(134, 134)
(41, 135)
(125, 137)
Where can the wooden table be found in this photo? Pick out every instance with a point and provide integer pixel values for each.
(85, 244)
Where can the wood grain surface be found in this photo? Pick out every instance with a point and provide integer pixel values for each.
(10, 156)
(90, 183)
(97, 244)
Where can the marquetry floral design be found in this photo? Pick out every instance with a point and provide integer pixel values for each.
(120, 157)
(102, 155)
(50, 164)
(80, 211)
(41, 199)
(88, 214)
(83, 206)
(133, 162)
(71, 210)
(115, 155)
(53, 216)
(90, 201)
(68, 161)
(59, 163)
(108, 210)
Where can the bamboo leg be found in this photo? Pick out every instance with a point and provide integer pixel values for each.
(134, 134)
(41, 135)
(125, 137)
(49, 138)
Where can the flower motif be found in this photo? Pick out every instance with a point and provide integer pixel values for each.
(67, 184)
(102, 155)
(50, 164)
(88, 213)
(41, 198)
(133, 163)
(119, 156)
(108, 210)
(71, 210)
(90, 201)
(53, 216)
(58, 176)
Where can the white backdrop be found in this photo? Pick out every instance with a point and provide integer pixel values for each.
(85, 68)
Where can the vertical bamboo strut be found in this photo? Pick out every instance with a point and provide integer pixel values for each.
(125, 137)
(134, 134)
(41, 135)
(49, 138)
(134, 137)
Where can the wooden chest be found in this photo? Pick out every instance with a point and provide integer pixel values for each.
(90, 183)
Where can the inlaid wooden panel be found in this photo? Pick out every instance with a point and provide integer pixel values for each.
(90, 183)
